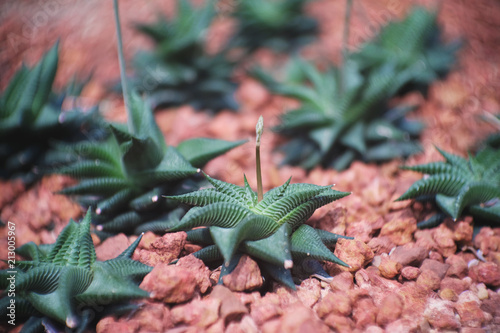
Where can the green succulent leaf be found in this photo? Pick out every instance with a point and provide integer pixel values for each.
(306, 242)
(65, 277)
(459, 184)
(199, 151)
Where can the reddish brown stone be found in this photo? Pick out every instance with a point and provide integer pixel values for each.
(170, 284)
(407, 256)
(216, 327)
(298, 318)
(169, 246)
(191, 248)
(437, 267)
(339, 323)
(370, 277)
(199, 313)
(309, 292)
(10, 189)
(457, 285)
(266, 308)
(448, 294)
(285, 294)
(390, 309)
(246, 276)
(429, 279)
(439, 313)
(444, 239)
(487, 240)
(150, 317)
(487, 273)
(360, 230)
(468, 308)
(381, 245)
(373, 329)
(462, 231)
(332, 220)
(112, 325)
(246, 325)
(404, 325)
(147, 239)
(200, 272)
(354, 253)
(112, 247)
(364, 312)
(337, 302)
(389, 268)
(400, 227)
(490, 304)
(410, 273)
(424, 239)
(231, 307)
(414, 298)
(271, 326)
(434, 255)
(471, 330)
(458, 266)
(342, 281)
(252, 94)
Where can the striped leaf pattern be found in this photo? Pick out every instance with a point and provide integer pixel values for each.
(57, 283)
(459, 185)
(272, 230)
(124, 177)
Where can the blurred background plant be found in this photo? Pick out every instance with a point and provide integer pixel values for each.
(179, 70)
(346, 112)
(279, 25)
(33, 122)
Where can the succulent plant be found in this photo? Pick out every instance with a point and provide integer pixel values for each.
(269, 227)
(345, 113)
(414, 43)
(31, 121)
(279, 25)
(179, 70)
(458, 185)
(338, 122)
(124, 176)
(64, 282)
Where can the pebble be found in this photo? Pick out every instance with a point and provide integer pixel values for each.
(441, 315)
(170, 284)
(409, 256)
(246, 276)
(353, 252)
(487, 273)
